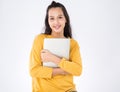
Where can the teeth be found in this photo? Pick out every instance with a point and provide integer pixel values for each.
(57, 27)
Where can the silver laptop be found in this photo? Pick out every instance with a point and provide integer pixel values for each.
(59, 47)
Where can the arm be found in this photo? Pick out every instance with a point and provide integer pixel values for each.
(37, 70)
(47, 56)
(58, 71)
(35, 65)
(72, 66)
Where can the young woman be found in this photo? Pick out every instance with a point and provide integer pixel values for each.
(47, 79)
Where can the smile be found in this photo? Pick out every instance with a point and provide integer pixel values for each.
(57, 27)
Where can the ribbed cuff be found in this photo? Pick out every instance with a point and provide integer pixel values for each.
(62, 62)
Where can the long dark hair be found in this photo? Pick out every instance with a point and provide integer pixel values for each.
(67, 28)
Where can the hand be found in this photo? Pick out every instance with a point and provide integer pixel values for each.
(59, 71)
(46, 55)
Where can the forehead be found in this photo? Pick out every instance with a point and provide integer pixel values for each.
(55, 11)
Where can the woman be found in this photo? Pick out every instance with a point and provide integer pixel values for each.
(47, 79)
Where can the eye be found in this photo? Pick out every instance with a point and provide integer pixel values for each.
(51, 18)
(60, 17)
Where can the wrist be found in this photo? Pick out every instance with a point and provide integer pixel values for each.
(56, 60)
(58, 71)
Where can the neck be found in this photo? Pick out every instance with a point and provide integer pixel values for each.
(57, 35)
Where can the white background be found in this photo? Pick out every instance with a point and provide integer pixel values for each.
(96, 26)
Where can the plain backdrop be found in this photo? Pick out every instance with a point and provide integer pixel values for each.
(96, 27)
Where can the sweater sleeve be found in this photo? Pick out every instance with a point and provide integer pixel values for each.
(35, 64)
(74, 64)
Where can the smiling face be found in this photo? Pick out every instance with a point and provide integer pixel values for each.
(56, 20)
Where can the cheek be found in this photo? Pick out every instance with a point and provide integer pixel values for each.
(63, 24)
(50, 24)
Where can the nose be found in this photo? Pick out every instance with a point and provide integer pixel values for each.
(56, 21)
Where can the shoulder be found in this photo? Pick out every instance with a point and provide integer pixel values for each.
(74, 43)
(40, 36)
(38, 39)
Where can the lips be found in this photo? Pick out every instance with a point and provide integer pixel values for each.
(57, 27)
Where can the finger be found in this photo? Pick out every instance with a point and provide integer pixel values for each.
(44, 51)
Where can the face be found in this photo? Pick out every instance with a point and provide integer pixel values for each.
(56, 20)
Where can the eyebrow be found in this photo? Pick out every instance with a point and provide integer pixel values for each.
(58, 15)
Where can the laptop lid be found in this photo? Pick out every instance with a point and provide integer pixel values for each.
(58, 46)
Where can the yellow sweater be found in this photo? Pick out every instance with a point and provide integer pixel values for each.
(42, 79)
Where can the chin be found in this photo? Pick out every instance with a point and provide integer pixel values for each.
(57, 31)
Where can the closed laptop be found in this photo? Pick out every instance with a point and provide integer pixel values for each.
(59, 47)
